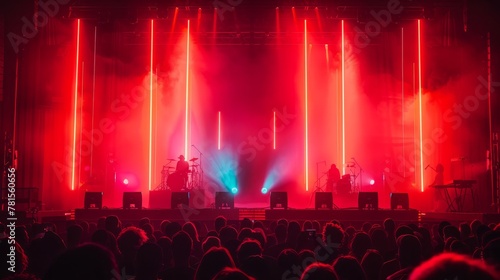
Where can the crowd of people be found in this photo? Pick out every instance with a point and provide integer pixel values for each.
(282, 249)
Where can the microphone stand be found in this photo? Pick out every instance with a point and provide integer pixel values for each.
(201, 166)
(360, 174)
(317, 174)
(318, 182)
(318, 187)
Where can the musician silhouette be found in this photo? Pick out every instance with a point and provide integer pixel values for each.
(333, 177)
(182, 168)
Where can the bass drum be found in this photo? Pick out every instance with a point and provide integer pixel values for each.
(344, 185)
(175, 181)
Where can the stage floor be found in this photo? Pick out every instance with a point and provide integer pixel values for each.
(347, 217)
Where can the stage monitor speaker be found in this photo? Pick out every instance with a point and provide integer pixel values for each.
(224, 200)
(400, 201)
(179, 200)
(344, 185)
(132, 200)
(279, 200)
(368, 200)
(323, 200)
(93, 200)
(199, 198)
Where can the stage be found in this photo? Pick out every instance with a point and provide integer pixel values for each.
(348, 216)
(272, 99)
(192, 208)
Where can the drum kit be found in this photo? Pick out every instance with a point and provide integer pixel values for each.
(355, 175)
(348, 183)
(179, 181)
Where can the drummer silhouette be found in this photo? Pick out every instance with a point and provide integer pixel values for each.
(333, 177)
(182, 169)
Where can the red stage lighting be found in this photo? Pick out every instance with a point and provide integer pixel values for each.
(306, 107)
(150, 151)
(421, 153)
(75, 104)
(218, 133)
(186, 128)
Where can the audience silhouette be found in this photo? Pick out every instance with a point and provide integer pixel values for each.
(279, 249)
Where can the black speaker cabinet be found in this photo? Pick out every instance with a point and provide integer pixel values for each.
(400, 201)
(279, 200)
(323, 200)
(132, 200)
(93, 200)
(368, 200)
(224, 200)
(179, 200)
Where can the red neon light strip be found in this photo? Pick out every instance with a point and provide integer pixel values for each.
(75, 104)
(274, 130)
(403, 101)
(306, 107)
(343, 98)
(218, 134)
(420, 107)
(186, 131)
(150, 154)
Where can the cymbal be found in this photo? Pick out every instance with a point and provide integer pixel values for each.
(171, 159)
(193, 159)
